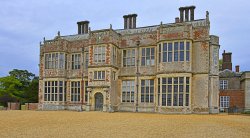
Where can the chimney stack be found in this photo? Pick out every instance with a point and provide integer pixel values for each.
(189, 13)
(83, 27)
(177, 20)
(130, 21)
(237, 68)
(226, 60)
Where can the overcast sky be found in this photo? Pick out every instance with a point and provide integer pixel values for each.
(24, 23)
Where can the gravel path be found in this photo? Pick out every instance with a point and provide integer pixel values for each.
(98, 124)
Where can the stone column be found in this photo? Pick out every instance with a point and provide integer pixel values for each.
(130, 21)
(88, 105)
(134, 21)
(181, 14)
(125, 21)
(186, 14)
(79, 28)
(192, 14)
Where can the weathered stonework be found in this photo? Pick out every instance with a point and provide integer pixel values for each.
(201, 67)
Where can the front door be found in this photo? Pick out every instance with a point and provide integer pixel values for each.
(98, 102)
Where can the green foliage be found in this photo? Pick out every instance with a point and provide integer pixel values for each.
(220, 64)
(20, 85)
(10, 86)
(23, 76)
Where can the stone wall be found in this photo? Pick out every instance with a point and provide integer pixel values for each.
(31, 106)
(13, 106)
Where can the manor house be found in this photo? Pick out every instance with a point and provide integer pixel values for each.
(164, 68)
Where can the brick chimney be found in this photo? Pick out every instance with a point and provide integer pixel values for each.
(237, 68)
(83, 27)
(177, 20)
(226, 60)
(130, 21)
(187, 13)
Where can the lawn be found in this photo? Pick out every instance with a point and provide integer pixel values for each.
(98, 124)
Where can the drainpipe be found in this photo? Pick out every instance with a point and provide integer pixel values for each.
(137, 74)
(82, 83)
(209, 79)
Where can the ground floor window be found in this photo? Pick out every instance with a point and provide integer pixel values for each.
(224, 102)
(86, 92)
(174, 91)
(147, 91)
(54, 91)
(75, 91)
(128, 90)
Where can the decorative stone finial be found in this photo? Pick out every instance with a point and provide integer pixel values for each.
(58, 33)
(43, 39)
(40, 43)
(110, 26)
(207, 14)
(89, 29)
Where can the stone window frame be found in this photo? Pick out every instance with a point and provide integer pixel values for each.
(99, 54)
(54, 91)
(148, 87)
(99, 75)
(174, 51)
(55, 60)
(166, 91)
(75, 91)
(76, 61)
(224, 102)
(223, 84)
(148, 56)
(129, 59)
(128, 91)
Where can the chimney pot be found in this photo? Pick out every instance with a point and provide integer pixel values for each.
(237, 68)
(83, 27)
(130, 21)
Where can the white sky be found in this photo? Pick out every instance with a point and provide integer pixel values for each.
(24, 23)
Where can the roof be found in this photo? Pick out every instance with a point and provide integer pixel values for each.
(229, 74)
(145, 29)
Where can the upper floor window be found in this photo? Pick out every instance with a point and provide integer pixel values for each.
(76, 64)
(99, 75)
(114, 55)
(223, 84)
(55, 61)
(128, 57)
(99, 54)
(86, 60)
(148, 56)
(174, 51)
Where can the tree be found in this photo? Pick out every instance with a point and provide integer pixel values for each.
(220, 64)
(23, 76)
(20, 85)
(10, 89)
(31, 92)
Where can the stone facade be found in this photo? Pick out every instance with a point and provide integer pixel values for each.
(126, 69)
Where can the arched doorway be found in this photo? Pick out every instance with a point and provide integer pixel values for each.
(98, 101)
